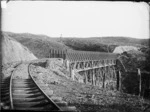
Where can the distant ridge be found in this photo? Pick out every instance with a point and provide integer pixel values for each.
(41, 44)
(125, 40)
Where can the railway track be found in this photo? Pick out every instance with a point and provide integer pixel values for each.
(26, 94)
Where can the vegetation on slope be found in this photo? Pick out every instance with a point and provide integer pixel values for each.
(103, 44)
(84, 97)
(85, 44)
(40, 44)
(123, 41)
(133, 61)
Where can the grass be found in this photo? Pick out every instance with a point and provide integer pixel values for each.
(106, 108)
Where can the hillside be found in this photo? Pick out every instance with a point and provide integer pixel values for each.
(40, 44)
(13, 51)
(87, 44)
(123, 41)
(104, 44)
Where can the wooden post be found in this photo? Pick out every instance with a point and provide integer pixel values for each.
(114, 72)
(50, 53)
(90, 73)
(96, 77)
(120, 78)
(70, 70)
(140, 82)
(93, 78)
(109, 73)
(86, 80)
(59, 54)
(100, 76)
(88, 76)
(54, 53)
(117, 76)
(103, 73)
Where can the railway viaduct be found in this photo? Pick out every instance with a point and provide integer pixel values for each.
(93, 68)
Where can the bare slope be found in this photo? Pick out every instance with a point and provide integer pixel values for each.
(121, 49)
(13, 51)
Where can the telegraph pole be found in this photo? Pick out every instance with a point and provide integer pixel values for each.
(61, 38)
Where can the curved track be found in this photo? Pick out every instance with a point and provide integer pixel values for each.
(5, 90)
(5, 98)
(26, 94)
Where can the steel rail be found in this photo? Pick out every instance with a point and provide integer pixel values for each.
(10, 92)
(45, 95)
(10, 87)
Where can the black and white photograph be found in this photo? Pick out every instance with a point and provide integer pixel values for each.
(75, 56)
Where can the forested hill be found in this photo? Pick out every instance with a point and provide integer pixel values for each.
(104, 44)
(123, 41)
(40, 44)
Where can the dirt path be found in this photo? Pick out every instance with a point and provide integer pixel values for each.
(21, 71)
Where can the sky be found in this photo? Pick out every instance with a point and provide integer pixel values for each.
(77, 18)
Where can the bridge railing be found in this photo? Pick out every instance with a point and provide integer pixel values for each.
(97, 58)
(57, 53)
